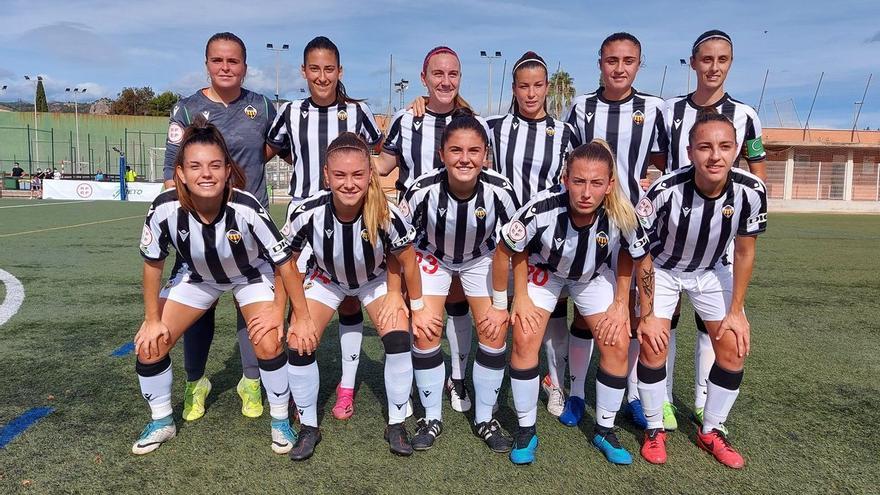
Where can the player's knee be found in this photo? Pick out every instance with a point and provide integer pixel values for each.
(147, 364)
(267, 348)
(726, 353)
(651, 358)
(614, 353)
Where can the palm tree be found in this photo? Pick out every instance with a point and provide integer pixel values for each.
(561, 93)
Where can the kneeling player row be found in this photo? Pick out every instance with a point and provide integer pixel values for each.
(562, 241)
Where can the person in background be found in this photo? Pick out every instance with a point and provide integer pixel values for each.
(130, 176)
(17, 171)
(99, 176)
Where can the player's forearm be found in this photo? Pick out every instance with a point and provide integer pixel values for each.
(407, 260)
(759, 168)
(624, 277)
(152, 281)
(520, 262)
(394, 276)
(292, 282)
(500, 268)
(743, 264)
(385, 163)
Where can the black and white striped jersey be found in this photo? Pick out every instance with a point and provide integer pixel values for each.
(681, 112)
(342, 250)
(457, 230)
(234, 249)
(306, 129)
(692, 232)
(531, 153)
(633, 127)
(415, 141)
(543, 228)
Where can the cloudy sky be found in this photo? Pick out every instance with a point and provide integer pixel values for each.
(105, 45)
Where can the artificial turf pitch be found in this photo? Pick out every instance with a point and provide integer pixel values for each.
(806, 419)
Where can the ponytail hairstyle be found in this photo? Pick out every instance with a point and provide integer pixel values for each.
(529, 60)
(437, 50)
(463, 119)
(375, 210)
(324, 43)
(202, 132)
(619, 209)
(706, 115)
(226, 36)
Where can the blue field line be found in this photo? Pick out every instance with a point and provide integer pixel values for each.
(18, 425)
(123, 350)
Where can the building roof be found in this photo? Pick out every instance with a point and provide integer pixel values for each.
(820, 138)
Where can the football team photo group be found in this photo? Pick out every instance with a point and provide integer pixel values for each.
(541, 243)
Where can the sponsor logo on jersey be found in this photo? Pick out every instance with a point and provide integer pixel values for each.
(727, 211)
(441, 212)
(480, 213)
(638, 117)
(602, 239)
(183, 235)
(304, 113)
(175, 133)
(329, 233)
(417, 123)
(640, 242)
(559, 242)
(515, 123)
(551, 131)
(250, 111)
(645, 208)
(279, 246)
(342, 115)
(677, 123)
(206, 114)
(686, 210)
(234, 236)
(174, 110)
(589, 117)
(517, 231)
(760, 218)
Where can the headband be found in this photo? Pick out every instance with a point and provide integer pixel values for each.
(517, 66)
(711, 35)
(436, 51)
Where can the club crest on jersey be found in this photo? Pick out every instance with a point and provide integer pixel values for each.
(638, 117)
(551, 131)
(480, 213)
(342, 115)
(250, 111)
(727, 211)
(365, 235)
(602, 239)
(404, 207)
(234, 236)
(285, 231)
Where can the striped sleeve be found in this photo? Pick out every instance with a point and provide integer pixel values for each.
(393, 142)
(506, 207)
(155, 237)
(177, 122)
(271, 242)
(399, 233)
(753, 218)
(661, 133)
(298, 227)
(636, 242)
(279, 132)
(519, 231)
(369, 129)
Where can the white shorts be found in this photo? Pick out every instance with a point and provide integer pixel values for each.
(710, 291)
(318, 287)
(590, 298)
(475, 275)
(203, 295)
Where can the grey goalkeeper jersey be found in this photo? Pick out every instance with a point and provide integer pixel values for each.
(244, 125)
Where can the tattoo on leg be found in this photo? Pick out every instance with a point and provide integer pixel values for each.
(647, 287)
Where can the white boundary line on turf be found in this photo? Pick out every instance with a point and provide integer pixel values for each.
(13, 234)
(44, 204)
(14, 296)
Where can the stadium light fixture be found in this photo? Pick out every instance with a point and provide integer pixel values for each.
(401, 88)
(76, 91)
(271, 47)
(489, 58)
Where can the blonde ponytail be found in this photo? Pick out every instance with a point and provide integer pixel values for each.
(376, 214)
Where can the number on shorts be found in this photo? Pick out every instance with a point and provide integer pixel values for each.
(428, 263)
(538, 276)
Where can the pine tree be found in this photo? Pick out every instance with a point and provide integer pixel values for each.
(42, 104)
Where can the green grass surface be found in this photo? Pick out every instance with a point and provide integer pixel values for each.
(805, 421)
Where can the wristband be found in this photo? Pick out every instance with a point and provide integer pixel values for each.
(499, 299)
(416, 304)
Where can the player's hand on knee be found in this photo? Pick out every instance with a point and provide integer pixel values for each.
(303, 335)
(265, 321)
(737, 323)
(613, 322)
(653, 333)
(426, 324)
(146, 340)
(493, 322)
(525, 311)
(389, 311)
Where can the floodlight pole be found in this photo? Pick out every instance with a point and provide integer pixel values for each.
(75, 92)
(860, 104)
(285, 47)
(489, 58)
(36, 131)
